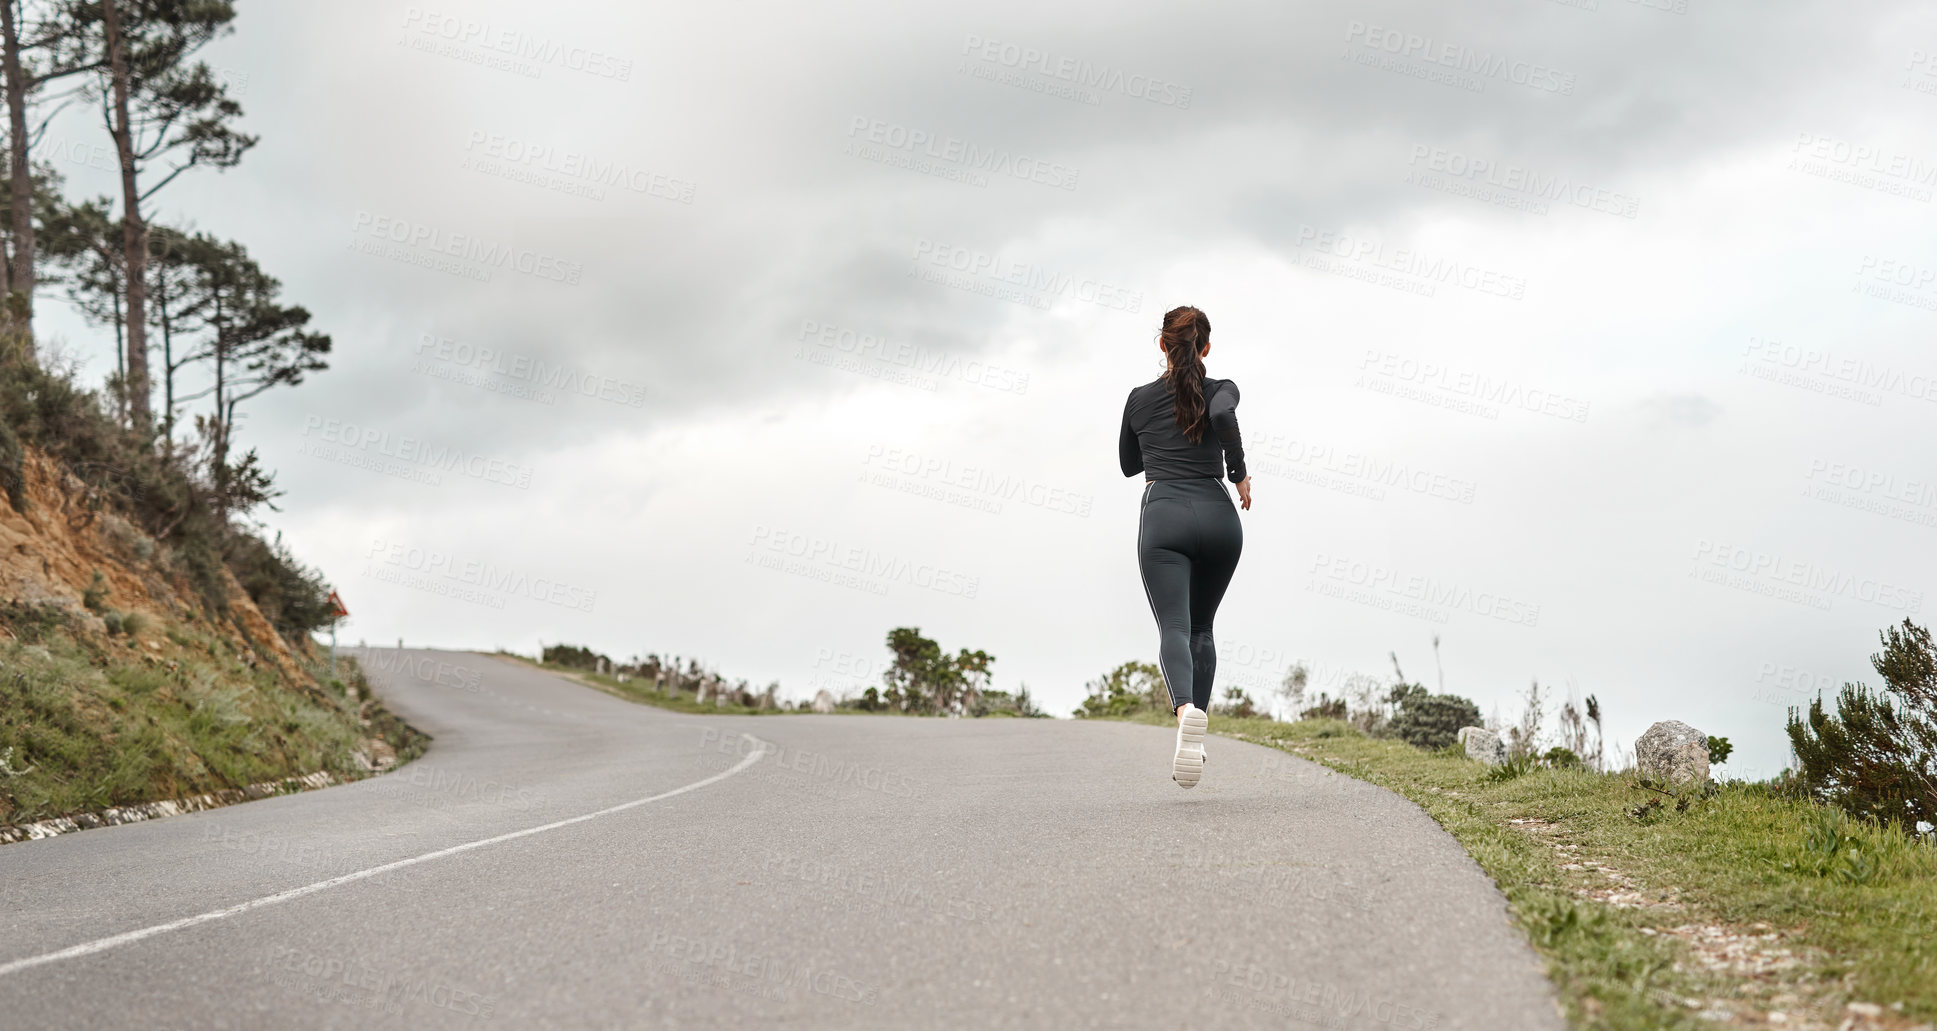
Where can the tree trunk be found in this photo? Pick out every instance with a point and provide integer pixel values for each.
(167, 355)
(120, 353)
(22, 280)
(221, 349)
(134, 236)
(17, 313)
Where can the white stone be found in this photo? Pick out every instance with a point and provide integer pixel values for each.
(1672, 752)
(1483, 745)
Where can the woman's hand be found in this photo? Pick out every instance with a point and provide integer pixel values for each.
(1244, 494)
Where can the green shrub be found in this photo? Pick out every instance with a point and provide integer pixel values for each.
(1876, 758)
(1560, 758)
(1430, 721)
(197, 560)
(924, 678)
(572, 656)
(1129, 689)
(31, 622)
(294, 598)
(13, 477)
(1328, 708)
(1718, 750)
(119, 623)
(1238, 705)
(1002, 703)
(95, 597)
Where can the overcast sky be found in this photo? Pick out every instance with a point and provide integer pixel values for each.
(1594, 337)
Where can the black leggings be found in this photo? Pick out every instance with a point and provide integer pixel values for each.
(1188, 541)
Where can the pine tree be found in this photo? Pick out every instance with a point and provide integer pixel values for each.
(164, 115)
(40, 44)
(1877, 757)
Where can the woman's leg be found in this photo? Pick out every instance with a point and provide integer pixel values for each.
(1220, 538)
(1163, 534)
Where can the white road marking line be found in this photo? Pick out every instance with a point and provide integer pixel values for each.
(104, 944)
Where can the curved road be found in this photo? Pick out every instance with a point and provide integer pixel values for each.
(562, 858)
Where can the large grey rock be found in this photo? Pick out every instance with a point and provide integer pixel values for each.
(1483, 744)
(823, 702)
(1674, 752)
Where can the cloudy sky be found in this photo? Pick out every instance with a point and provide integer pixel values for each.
(1593, 338)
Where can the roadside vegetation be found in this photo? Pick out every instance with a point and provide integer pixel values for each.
(88, 722)
(919, 679)
(663, 692)
(1809, 900)
(166, 688)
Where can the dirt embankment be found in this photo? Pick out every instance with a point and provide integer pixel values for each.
(122, 683)
(51, 554)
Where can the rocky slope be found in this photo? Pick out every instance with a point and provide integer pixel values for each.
(51, 554)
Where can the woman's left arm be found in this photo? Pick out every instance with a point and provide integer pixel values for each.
(1129, 453)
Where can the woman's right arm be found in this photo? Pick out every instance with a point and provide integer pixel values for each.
(1223, 414)
(1222, 411)
(1128, 453)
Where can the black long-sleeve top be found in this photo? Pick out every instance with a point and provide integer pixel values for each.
(1152, 444)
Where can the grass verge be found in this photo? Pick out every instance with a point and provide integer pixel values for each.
(1748, 908)
(88, 722)
(645, 692)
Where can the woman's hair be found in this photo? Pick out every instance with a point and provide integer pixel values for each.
(1185, 333)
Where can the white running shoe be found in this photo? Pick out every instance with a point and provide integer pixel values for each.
(1188, 766)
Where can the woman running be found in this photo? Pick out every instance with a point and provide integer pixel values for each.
(1181, 432)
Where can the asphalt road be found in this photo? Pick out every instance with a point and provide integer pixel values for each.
(562, 858)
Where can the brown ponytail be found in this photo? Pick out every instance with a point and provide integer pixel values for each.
(1186, 331)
